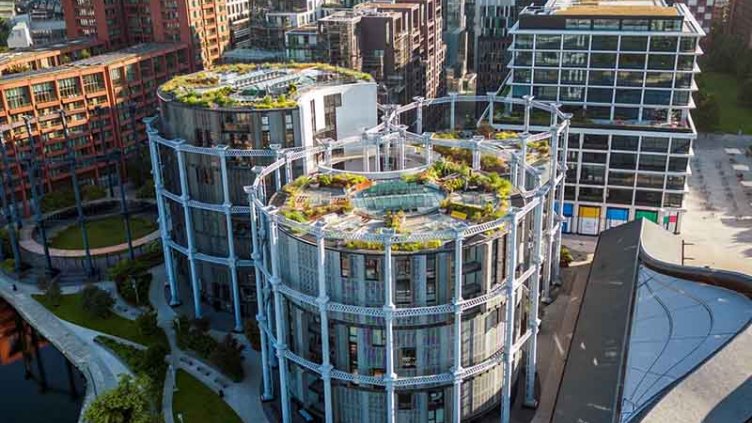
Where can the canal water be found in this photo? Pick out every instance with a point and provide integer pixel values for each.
(37, 383)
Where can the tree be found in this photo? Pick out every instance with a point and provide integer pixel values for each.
(54, 294)
(129, 402)
(745, 92)
(227, 356)
(153, 362)
(96, 302)
(708, 113)
(147, 323)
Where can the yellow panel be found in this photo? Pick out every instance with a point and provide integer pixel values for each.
(586, 211)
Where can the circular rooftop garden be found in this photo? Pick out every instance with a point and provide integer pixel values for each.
(445, 195)
(266, 86)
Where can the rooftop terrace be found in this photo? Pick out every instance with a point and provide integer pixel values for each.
(265, 86)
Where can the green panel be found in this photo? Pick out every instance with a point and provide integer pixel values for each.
(647, 214)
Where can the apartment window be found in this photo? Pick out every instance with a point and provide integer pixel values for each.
(576, 42)
(673, 200)
(621, 179)
(663, 43)
(570, 192)
(600, 95)
(680, 145)
(605, 42)
(603, 60)
(573, 76)
(431, 279)
(652, 162)
(683, 80)
(681, 98)
(44, 92)
(619, 196)
(546, 58)
(675, 182)
(93, 83)
(623, 161)
(407, 358)
(660, 97)
(344, 265)
(546, 76)
(116, 75)
(523, 41)
(572, 93)
(602, 78)
(69, 87)
(573, 141)
(667, 25)
(574, 58)
(404, 401)
(688, 45)
(605, 25)
(352, 340)
(522, 75)
(630, 79)
(677, 164)
(685, 62)
(648, 198)
(591, 194)
(632, 61)
(548, 42)
(595, 142)
(523, 58)
(634, 43)
(378, 339)
(598, 112)
(373, 269)
(635, 25)
(436, 407)
(659, 79)
(592, 175)
(545, 93)
(577, 23)
(661, 62)
(628, 96)
(588, 157)
(624, 143)
(645, 180)
(17, 97)
(655, 144)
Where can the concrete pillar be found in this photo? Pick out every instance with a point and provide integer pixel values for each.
(389, 322)
(232, 259)
(457, 335)
(261, 317)
(184, 199)
(323, 300)
(528, 109)
(279, 317)
(506, 388)
(419, 121)
(156, 171)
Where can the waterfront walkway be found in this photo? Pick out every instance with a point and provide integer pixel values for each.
(101, 374)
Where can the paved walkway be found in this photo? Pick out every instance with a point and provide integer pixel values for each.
(99, 374)
(244, 397)
(28, 243)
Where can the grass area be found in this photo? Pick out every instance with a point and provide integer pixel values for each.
(70, 309)
(102, 233)
(725, 87)
(199, 404)
(131, 356)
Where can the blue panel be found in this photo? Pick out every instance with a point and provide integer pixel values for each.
(568, 209)
(617, 214)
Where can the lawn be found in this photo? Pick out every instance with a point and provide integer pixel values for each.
(733, 116)
(102, 233)
(70, 309)
(199, 404)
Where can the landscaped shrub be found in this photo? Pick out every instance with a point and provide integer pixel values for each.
(193, 337)
(565, 258)
(147, 323)
(53, 293)
(128, 273)
(131, 401)
(96, 302)
(92, 192)
(147, 190)
(227, 355)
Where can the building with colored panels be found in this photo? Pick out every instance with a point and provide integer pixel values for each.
(626, 73)
(105, 97)
(202, 25)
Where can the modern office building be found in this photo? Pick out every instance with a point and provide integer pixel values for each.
(104, 97)
(203, 25)
(390, 297)
(626, 72)
(270, 20)
(489, 23)
(459, 78)
(213, 128)
(239, 18)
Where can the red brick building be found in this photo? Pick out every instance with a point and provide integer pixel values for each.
(105, 98)
(203, 25)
